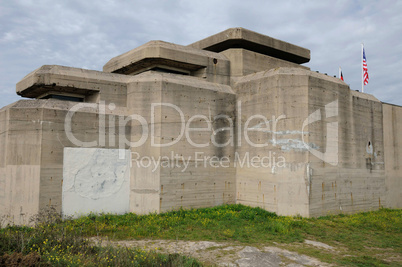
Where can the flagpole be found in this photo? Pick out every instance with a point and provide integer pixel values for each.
(339, 72)
(361, 62)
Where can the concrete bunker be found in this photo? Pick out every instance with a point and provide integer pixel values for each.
(165, 126)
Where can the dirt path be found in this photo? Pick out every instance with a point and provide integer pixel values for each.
(225, 254)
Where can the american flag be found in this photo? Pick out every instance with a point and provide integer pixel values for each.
(365, 72)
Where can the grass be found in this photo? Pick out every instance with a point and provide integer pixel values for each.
(54, 242)
(364, 239)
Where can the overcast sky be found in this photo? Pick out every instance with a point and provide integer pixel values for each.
(87, 33)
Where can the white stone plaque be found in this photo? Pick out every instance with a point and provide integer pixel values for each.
(95, 180)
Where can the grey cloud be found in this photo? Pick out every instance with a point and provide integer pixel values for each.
(88, 33)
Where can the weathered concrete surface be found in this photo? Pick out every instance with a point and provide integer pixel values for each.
(351, 130)
(181, 182)
(280, 184)
(346, 174)
(244, 62)
(32, 160)
(392, 128)
(20, 163)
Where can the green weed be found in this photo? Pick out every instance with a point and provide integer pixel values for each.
(369, 238)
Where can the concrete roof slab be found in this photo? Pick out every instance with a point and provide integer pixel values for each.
(190, 81)
(159, 53)
(243, 38)
(67, 80)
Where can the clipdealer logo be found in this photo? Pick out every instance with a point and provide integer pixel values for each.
(148, 129)
(119, 123)
(331, 153)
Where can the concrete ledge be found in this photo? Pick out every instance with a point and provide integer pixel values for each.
(67, 80)
(162, 54)
(153, 76)
(291, 71)
(364, 96)
(54, 104)
(243, 38)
